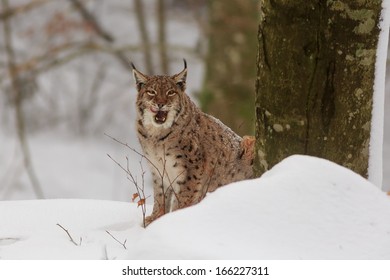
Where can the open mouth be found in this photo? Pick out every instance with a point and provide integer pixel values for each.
(160, 117)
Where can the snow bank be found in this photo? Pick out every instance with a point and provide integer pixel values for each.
(304, 208)
(28, 229)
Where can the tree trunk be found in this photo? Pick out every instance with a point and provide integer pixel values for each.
(17, 96)
(141, 19)
(228, 89)
(162, 42)
(314, 88)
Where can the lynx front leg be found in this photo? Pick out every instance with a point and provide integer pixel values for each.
(159, 201)
(190, 194)
(162, 204)
(157, 212)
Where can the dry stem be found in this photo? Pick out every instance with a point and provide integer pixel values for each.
(70, 237)
(140, 189)
(122, 243)
(162, 174)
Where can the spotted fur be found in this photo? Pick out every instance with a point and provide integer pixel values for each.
(190, 153)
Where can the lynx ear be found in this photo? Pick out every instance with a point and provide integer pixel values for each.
(181, 77)
(140, 79)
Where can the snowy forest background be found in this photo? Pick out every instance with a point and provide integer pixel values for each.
(73, 65)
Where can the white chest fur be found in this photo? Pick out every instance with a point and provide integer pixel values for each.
(166, 168)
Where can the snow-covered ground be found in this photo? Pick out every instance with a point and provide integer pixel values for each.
(304, 208)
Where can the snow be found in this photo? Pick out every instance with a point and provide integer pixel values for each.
(29, 228)
(375, 169)
(303, 208)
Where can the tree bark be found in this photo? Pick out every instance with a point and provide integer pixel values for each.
(228, 92)
(314, 88)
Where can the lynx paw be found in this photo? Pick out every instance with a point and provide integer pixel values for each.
(154, 216)
(149, 219)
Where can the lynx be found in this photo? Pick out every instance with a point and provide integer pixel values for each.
(189, 152)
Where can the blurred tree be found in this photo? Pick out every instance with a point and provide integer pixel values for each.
(162, 42)
(314, 88)
(17, 92)
(228, 91)
(145, 41)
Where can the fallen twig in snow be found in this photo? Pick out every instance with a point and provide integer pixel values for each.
(123, 244)
(70, 237)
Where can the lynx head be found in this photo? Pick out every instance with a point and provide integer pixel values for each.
(159, 97)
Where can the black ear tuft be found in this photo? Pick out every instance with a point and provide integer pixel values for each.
(181, 77)
(185, 63)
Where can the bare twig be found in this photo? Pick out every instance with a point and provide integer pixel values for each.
(138, 153)
(92, 21)
(10, 12)
(64, 53)
(105, 253)
(143, 192)
(101, 32)
(70, 237)
(163, 174)
(122, 243)
(139, 189)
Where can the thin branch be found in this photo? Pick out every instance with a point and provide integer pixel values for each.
(56, 57)
(174, 180)
(142, 156)
(143, 192)
(101, 32)
(63, 54)
(122, 243)
(135, 151)
(163, 174)
(91, 19)
(10, 12)
(70, 237)
(140, 190)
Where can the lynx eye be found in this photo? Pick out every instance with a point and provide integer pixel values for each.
(151, 92)
(170, 92)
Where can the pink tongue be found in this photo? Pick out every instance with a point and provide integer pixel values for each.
(161, 117)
